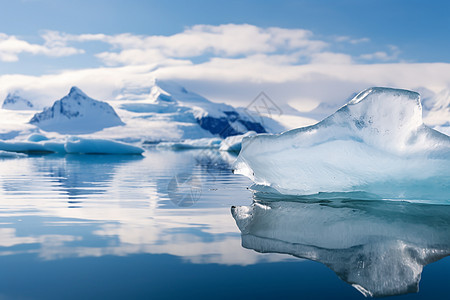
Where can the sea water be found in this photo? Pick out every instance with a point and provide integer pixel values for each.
(161, 226)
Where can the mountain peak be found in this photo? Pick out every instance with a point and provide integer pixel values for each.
(14, 101)
(76, 91)
(77, 113)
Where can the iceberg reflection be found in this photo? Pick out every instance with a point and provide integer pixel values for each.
(378, 247)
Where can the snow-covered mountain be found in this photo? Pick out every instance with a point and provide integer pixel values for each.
(16, 102)
(174, 102)
(76, 113)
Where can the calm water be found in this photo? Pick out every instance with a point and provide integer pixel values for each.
(174, 225)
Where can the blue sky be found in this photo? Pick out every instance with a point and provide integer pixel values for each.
(212, 45)
(419, 28)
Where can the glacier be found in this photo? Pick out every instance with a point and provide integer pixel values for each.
(376, 143)
(379, 247)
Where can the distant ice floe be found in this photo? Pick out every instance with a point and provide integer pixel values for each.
(229, 144)
(72, 145)
(205, 143)
(376, 142)
(8, 154)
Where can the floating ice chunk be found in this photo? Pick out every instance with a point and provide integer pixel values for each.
(98, 146)
(36, 137)
(72, 145)
(379, 247)
(234, 143)
(205, 143)
(378, 137)
(55, 146)
(23, 147)
(7, 154)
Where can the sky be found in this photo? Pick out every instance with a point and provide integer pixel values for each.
(299, 52)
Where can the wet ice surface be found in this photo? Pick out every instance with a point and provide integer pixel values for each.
(160, 227)
(376, 143)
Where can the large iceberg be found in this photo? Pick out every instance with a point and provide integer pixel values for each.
(376, 140)
(379, 247)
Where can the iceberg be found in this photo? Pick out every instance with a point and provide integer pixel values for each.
(7, 154)
(99, 146)
(379, 247)
(234, 143)
(377, 143)
(72, 145)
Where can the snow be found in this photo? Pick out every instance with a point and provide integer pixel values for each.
(171, 102)
(378, 137)
(77, 113)
(72, 145)
(162, 112)
(233, 143)
(379, 247)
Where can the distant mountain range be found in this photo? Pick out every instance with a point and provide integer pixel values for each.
(167, 111)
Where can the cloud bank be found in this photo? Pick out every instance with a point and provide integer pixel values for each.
(228, 63)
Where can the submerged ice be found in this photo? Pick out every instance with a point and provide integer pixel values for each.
(377, 138)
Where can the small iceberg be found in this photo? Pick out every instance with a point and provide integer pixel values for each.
(76, 145)
(72, 145)
(8, 154)
(377, 143)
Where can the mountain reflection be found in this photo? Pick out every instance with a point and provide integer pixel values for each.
(379, 247)
(82, 175)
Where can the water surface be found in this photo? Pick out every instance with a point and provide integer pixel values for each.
(161, 226)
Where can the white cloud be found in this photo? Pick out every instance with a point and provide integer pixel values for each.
(230, 40)
(236, 63)
(347, 39)
(11, 47)
(331, 58)
(393, 54)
